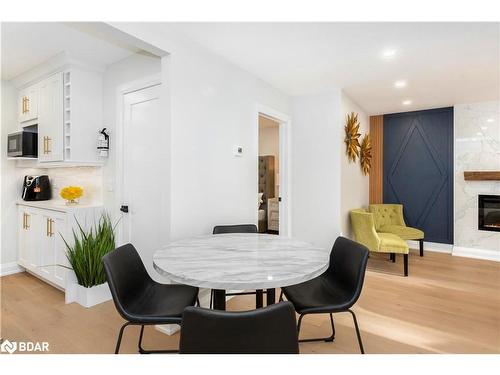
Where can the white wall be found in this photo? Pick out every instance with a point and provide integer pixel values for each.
(316, 170)
(477, 147)
(212, 108)
(354, 184)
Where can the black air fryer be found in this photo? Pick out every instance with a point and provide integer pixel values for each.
(37, 188)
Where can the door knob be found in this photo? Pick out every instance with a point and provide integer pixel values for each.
(124, 209)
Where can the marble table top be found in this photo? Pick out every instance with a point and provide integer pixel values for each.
(240, 261)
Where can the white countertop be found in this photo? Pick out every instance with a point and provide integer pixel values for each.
(241, 261)
(56, 205)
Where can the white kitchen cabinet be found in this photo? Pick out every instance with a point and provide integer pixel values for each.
(43, 225)
(28, 105)
(50, 119)
(65, 105)
(29, 233)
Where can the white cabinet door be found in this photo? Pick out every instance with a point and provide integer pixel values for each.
(50, 119)
(29, 238)
(54, 250)
(28, 104)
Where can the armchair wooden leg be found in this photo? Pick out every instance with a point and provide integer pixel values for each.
(393, 257)
(421, 243)
(405, 264)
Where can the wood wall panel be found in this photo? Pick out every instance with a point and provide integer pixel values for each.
(377, 169)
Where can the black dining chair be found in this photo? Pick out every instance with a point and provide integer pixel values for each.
(238, 228)
(336, 290)
(270, 330)
(139, 299)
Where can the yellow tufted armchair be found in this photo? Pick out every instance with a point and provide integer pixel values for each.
(363, 225)
(389, 219)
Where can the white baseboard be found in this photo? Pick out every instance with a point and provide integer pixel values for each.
(10, 268)
(432, 246)
(476, 253)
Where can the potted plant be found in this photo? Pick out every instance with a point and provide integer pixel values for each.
(87, 283)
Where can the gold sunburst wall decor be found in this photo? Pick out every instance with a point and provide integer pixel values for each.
(365, 155)
(352, 136)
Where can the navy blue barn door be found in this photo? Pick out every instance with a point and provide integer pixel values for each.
(418, 169)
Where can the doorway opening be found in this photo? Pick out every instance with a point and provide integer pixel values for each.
(269, 175)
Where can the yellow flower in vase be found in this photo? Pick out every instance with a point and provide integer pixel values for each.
(71, 194)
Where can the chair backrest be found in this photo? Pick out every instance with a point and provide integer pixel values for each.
(239, 228)
(363, 228)
(387, 214)
(126, 276)
(270, 330)
(347, 267)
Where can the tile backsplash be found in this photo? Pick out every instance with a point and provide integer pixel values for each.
(89, 178)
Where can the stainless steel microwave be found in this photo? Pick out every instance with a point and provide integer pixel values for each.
(22, 144)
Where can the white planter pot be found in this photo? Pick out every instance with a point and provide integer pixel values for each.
(86, 297)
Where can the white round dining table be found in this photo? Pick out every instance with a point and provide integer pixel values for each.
(240, 261)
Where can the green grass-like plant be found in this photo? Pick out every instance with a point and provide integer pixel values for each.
(85, 255)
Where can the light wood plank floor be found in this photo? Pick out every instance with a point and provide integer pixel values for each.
(447, 305)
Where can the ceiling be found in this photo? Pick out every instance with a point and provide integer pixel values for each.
(27, 44)
(442, 63)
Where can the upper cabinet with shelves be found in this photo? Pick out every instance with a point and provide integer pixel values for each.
(65, 104)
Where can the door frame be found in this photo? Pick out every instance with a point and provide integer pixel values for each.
(121, 91)
(284, 121)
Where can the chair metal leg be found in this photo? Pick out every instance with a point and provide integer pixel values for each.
(281, 296)
(144, 351)
(120, 335)
(405, 264)
(357, 331)
(211, 298)
(421, 243)
(327, 339)
(198, 302)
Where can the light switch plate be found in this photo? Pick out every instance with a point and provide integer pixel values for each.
(237, 150)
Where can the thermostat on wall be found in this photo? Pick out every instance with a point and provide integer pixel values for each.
(238, 151)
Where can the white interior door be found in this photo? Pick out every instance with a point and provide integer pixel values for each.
(145, 180)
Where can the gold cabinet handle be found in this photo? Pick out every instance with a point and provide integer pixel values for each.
(47, 230)
(24, 220)
(27, 104)
(27, 221)
(51, 232)
(48, 145)
(44, 145)
(24, 105)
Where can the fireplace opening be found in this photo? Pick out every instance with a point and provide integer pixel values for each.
(489, 213)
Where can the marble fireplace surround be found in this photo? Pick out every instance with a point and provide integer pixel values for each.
(477, 148)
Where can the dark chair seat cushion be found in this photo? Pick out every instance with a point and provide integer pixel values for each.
(319, 295)
(160, 303)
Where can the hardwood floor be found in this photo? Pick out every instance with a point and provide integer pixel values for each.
(446, 305)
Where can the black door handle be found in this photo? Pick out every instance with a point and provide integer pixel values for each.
(279, 199)
(124, 209)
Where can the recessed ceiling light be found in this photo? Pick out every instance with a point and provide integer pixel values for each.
(388, 53)
(490, 120)
(479, 133)
(400, 84)
(407, 102)
(484, 127)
